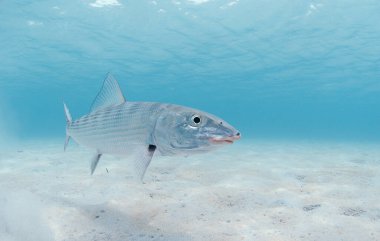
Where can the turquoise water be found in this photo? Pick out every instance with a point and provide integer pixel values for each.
(299, 69)
(299, 79)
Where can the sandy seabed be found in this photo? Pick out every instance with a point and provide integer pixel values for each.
(259, 190)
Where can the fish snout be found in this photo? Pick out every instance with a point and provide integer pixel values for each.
(226, 139)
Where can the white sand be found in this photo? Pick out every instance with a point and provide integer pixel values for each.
(249, 191)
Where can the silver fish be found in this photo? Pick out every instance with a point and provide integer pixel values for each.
(119, 127)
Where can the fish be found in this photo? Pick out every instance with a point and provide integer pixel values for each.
(119, 127)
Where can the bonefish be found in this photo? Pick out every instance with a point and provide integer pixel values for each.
(119, 127)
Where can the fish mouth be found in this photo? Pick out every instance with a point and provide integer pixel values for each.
(225, 140)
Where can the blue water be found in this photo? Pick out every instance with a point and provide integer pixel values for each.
(274, 69)
(299, 79)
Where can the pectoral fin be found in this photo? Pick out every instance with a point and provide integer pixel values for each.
(94, 162)
(143, 159)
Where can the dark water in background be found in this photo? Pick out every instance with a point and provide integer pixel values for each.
(274, 69)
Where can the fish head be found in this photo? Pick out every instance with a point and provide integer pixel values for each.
(186, 130)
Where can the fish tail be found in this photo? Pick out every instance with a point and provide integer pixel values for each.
(69, 120)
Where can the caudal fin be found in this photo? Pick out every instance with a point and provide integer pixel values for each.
(68, 123)
(68, 115)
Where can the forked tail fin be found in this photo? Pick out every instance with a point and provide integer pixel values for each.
(68, 123)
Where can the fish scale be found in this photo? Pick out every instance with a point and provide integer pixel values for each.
(125, 125)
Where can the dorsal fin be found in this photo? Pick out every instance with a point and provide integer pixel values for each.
(109, 95)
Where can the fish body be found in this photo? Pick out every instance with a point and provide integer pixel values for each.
(119, 127)
(116, 129)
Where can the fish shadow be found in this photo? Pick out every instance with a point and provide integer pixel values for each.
(105, 222)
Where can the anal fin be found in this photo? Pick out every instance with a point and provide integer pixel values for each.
(143, 159)
(94, 162)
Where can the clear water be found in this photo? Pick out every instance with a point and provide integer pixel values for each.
(285, 73)
(300, 69)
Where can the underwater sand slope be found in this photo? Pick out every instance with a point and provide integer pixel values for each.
(250, 191)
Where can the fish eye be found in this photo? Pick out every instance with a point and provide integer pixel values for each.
(196, 119)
